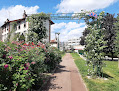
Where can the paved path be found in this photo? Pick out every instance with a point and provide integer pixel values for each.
(66, 77)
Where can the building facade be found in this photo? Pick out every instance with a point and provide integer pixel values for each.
(73, 44)
(22, 27)
(53, 43)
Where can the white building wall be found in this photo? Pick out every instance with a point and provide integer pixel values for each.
(54, 45)
(23, 29)
(73, 42)
(47, 25)
(5, 32)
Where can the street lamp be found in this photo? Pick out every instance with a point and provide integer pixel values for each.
(58, 39)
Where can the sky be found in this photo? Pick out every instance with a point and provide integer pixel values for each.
(13, 9)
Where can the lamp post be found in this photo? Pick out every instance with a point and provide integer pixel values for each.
(58, 39)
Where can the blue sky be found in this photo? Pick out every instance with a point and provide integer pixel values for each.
(13, 9)
(45, 5)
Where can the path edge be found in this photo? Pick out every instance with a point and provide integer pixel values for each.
(80, 74)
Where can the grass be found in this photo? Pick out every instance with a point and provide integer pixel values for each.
(111, 71)
(62, 54)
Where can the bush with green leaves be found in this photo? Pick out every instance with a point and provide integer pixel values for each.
(53, 58)
(94, 48)
(22, 65)
(94, 52)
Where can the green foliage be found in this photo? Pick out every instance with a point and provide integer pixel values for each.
(94, 49)
(36, 26)
(22, 37)
(109, 33)
(53, 58)
(11, 35)
(117, 35)
(85, 33)
(22, 66)
(81, 52)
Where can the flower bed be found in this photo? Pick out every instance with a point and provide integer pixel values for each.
(22, 66)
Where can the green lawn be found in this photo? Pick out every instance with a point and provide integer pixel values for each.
(111, 71)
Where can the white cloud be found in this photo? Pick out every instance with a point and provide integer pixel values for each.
(67, 30)
(77, 5)
(57, 26)
(15, 12)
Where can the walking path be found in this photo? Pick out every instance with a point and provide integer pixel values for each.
(66, 77)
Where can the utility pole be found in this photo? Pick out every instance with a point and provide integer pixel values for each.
(58, 39)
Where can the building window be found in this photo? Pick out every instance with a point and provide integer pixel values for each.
(24, 25)
(19, 27)
(5, 29)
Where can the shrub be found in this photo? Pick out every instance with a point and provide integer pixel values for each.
(22, 65)
(81, 52)
(53, 58)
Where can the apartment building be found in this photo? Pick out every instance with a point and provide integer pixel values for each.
(73, 43)
(22, 27)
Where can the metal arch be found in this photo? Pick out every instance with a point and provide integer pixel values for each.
(66, 16)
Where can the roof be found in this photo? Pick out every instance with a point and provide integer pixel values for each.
(51, 22)
(21, 20)
(13, 21)
(17, 20)
(53, 41)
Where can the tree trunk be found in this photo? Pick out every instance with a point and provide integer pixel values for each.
(112, 55)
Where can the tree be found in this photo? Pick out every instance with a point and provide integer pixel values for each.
(85, 33)
(22, 37)
(37, 27)
(89, 22)
(109, 32)
(11, 35)
(94, 48)
(117, 35)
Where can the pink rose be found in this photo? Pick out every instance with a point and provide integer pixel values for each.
(28, 89)
(27, 68)
(33, 62)
(10, 57)
(4, 56)
(5, 66)
(21, 49)
(8, 47)
(25, 65)
(28, 64)
(16, 84)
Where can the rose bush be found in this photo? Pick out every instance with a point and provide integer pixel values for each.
(22, 65)
(53, 58)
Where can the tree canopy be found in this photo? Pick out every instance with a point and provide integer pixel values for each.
(109, 33)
